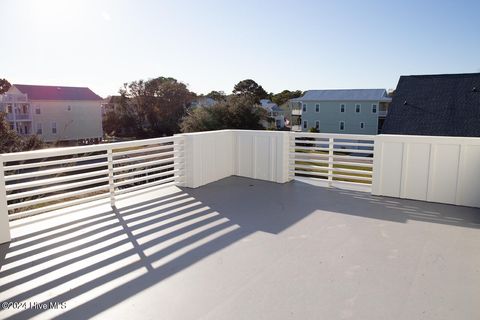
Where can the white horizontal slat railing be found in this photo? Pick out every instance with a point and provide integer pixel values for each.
(332, 159)
(44, 180)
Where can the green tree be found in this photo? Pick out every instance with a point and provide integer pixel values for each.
(10, 141)
(285, 95)
(250, 88)
(236, 112)
(4, 86)
(217, 95)
(154, 107)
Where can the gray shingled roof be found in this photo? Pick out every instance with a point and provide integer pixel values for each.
(344, 95)
(436, 105)
(36, 92)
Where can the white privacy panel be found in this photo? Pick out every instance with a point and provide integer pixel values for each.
(436, 169)
(390, 160)
(415, 177)
(444, 173)
(244, 159)
(214, 155)
(262, 155)
(208, 157)
(469, 180)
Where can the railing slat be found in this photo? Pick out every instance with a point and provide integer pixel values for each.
(56, 197)
(54, 171)
(144, 164)
(44, 182)
(334, 157)
(146, 157)
(149, 149)
(136, 173)
(53, 162)
(65, 186)
(145, 178)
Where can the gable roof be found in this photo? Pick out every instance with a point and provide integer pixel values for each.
(437, 105)
(345, 95)
(270, 106)
(35, 92)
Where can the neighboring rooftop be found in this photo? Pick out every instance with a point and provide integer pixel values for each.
(204, 102)
(436, 105)
(270, 106)
(345, 95)
(36, 92)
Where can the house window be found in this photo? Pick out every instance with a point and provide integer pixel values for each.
(69, 108)
(37, 110)
(317, 125)
(317, 108)
(342, 125)
(305, 124)
(304, 108)
(362, 125)
(357, 108)
(342, 108)
(374, 108)
(39, 128)
(54, 127)
(9, 108)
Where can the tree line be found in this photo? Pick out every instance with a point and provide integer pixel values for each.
(163, 106)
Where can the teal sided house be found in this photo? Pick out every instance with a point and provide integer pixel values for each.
(353, 111)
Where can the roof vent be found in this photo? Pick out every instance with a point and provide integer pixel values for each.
(405, 103)
(474, 89)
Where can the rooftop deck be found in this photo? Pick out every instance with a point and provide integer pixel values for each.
(242, 249)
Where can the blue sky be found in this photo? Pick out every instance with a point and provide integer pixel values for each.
(211, 45)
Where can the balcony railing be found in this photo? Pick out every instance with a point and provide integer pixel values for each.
(336, 158)
(13, 98)
(439, 169)
(44, 180)
(19, 117)
(296, 111)
(296, 128)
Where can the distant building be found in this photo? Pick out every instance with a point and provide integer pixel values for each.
(203, 102)
(110, 104)
(275, 114)
(436, 105)
(53, 113)
(354, 111)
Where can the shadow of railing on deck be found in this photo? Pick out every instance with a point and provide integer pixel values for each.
(145, 243)
(161, 237)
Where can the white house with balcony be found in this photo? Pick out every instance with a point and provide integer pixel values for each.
(18, 112)
(350, 111)
(274, 112)
(54, 113)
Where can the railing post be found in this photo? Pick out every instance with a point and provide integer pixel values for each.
(111, 181)
(330, 161)
(179, 163)
(291, 156)
(4, 220)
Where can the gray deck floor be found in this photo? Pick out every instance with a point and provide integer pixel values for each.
(247, 249)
